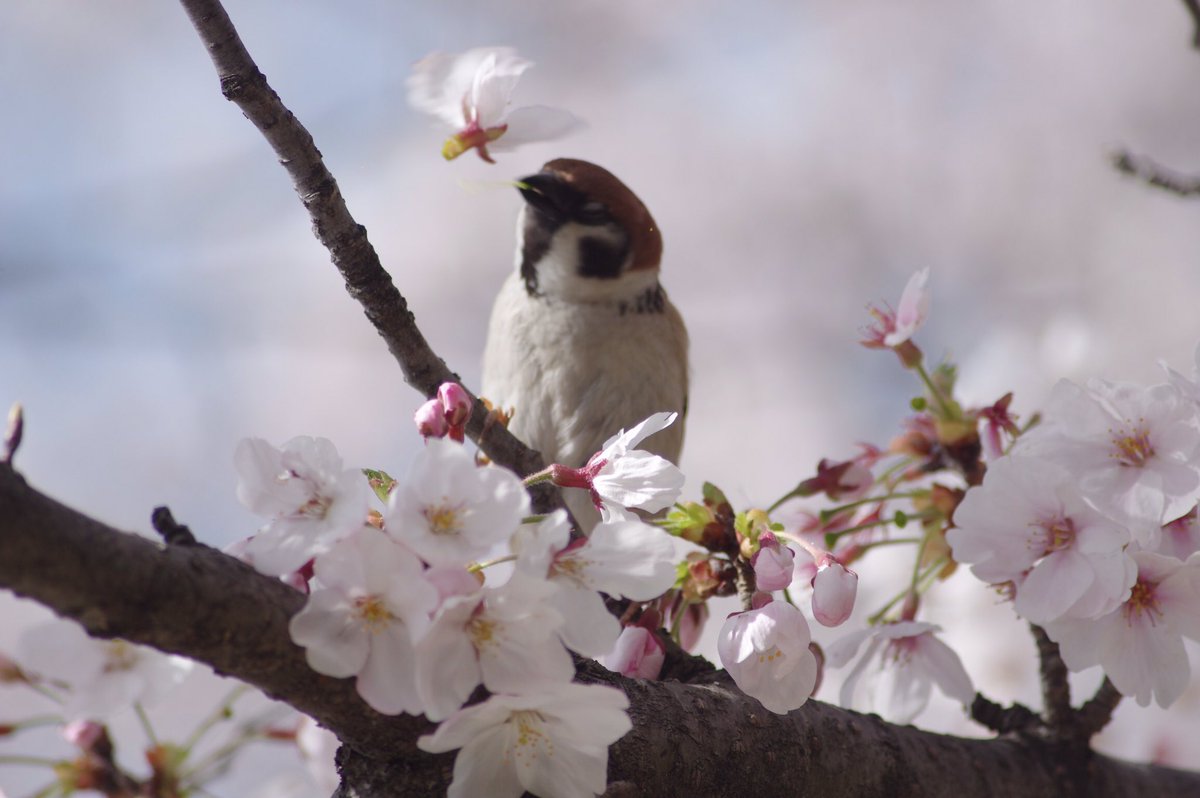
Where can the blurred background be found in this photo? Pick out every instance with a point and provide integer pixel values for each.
(161, 295)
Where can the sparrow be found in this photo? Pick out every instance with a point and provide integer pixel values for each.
(583, 341)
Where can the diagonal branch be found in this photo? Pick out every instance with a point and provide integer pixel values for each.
(366, 280)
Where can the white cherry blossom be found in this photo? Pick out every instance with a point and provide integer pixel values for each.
(504, 638)
(552, 743)
(766, 652)
(1134, 451)
(622, 558)
(105, 676)
(1028, 525)
(1140, 644)
(369, 601)
(472, 92)
(896, 673)
(311, 499)
(450, 511)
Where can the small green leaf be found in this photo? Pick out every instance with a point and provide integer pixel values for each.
(380, 482)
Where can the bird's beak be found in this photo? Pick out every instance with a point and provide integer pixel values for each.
(543, 191)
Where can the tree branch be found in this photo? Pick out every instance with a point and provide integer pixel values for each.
(1193, 9)
(1156, 175)
(704, 738)
(366, 280)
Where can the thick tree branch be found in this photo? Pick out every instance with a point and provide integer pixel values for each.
(703, 738)
(366, 280)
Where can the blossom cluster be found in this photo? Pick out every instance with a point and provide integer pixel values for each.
(1089, 524)
(398, 599)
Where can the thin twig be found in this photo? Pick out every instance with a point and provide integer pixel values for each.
(1155, 174)
(1098, 710)
(1056, 691)
(366, 280)
(13, 433)
(1004, 720)
(173, 533)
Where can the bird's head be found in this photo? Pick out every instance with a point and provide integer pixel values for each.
(584, 236)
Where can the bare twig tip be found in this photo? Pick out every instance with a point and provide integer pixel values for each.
(14, 432)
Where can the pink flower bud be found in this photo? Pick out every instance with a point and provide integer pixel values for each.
(431, 419)
(456, 403)
(834, 589)
(637, 654)
(83, 734)
(772, 563)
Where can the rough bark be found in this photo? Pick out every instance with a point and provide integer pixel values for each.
(703, 738)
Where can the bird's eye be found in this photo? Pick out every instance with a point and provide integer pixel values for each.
(592, 213)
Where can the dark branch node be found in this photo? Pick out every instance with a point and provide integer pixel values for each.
(172, 532)
(1017, 719)
(1097, 711)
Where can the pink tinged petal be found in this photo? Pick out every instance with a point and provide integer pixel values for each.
(334, 640)
(773, 567)
(447, 666)
(430, 419)
(637, 654)
(1053, 585)
(386, 680)
(451, 581)
(912, 310)
(834, 590)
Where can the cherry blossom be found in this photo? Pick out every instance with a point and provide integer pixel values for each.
(902, 662)
(430, 419)
(552, 742)
(105, 676)
(1140, 644)
(895, 328)
(449, 511)
(311, 500)
(834, 589)
(1181, 537)
(621, 476)
(472, 92)
(368, 604)
(773, 563)
(766, 651)
(638, 654)
(1134, 451)
(504, 638)
(621, 558)
(1028, 525)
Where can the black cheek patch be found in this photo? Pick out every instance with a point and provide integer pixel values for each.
(602, 259)
(539, 231)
